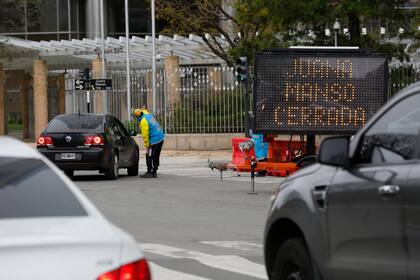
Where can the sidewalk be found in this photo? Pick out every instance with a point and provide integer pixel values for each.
(202, 155)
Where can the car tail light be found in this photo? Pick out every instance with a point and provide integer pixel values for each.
(44, 141)
(94, 140)
(138, 270)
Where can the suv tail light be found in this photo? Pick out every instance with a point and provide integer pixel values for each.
(138, 270)
(44, 141)
(94, 140)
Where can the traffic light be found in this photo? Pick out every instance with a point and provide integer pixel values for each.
(86, 74)
(242, 69)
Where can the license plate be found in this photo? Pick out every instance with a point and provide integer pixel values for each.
(68, 156)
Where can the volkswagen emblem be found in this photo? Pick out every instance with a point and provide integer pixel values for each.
(68, 139)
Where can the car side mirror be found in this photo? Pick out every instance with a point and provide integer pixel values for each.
(132, 133)
(335, 151)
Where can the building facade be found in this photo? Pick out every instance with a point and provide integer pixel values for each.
(47, 20)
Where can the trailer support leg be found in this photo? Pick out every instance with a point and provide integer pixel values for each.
(310, 144)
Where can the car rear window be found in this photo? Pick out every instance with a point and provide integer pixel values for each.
(29, 188)
(76, 122)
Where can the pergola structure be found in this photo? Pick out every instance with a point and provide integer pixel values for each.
(67, 54)
(29, 64)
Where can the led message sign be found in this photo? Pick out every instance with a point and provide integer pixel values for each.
(317, 91)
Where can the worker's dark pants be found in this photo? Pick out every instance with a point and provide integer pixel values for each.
(152, 157)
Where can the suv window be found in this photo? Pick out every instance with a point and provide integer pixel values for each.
(112, 128)
(75, 122)
(393, 137)
(121, 128)
(29, 188)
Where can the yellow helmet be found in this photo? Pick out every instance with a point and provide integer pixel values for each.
(137, 112)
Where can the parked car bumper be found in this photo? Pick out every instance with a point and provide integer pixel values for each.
(86, 159)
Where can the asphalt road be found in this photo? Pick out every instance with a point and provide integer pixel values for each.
(189, 224)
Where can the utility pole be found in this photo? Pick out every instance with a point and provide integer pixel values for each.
(337, 27)
(105, 93)
(127, 39)
(153, 56)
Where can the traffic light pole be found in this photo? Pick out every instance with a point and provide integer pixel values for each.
(88, 101)
(87, 77)
(310, 144)
(243, 77)
(246, 109)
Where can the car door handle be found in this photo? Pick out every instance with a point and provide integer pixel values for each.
(388, 190)
(320, 195)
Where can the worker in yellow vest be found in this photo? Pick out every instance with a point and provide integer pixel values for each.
(153, 138)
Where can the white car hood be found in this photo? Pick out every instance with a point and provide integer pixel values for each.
(59, 248)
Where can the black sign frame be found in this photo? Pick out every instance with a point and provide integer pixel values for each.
(310, 52)
(82, 86)
(101, 84)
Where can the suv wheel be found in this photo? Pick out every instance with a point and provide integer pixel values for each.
(134, 169)
(293, 262)
(112, 172)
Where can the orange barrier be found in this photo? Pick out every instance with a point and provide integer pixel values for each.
(279, 162)
(237, 156)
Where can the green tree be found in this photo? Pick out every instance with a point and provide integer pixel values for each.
(252, 25)
(5, 49)
(244, 24)
(294, 19)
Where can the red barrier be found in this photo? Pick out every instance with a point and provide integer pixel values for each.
(279, 162)
(282, 150)
(237, 156)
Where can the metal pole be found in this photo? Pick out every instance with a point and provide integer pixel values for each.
(127, 38)
(253, 165)
(105, 93)
(310, 144)
(335, 38)
(88, 101)
(246, 109)
(153, 56)
(68, 17)
(74, 100)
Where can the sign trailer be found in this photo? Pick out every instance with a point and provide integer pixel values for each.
(313, 91)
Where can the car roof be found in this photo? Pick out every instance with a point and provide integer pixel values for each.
(81, 114)
(12, 147)
(409, 90)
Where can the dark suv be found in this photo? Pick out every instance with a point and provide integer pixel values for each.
(356, 213)
(89, 142)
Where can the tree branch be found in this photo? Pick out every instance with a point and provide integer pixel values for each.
(220, 53)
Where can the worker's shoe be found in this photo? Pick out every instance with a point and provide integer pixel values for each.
(147, 175)
(154, 175)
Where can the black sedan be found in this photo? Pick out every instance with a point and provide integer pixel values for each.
(89, 142)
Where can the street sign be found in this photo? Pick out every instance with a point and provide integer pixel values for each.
(84, 73)
(300, 91)
(80, 84)
(101, 84)
(95, 84)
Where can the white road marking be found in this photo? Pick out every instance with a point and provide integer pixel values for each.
(238, 245)
(230, 263)
(161, 273)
